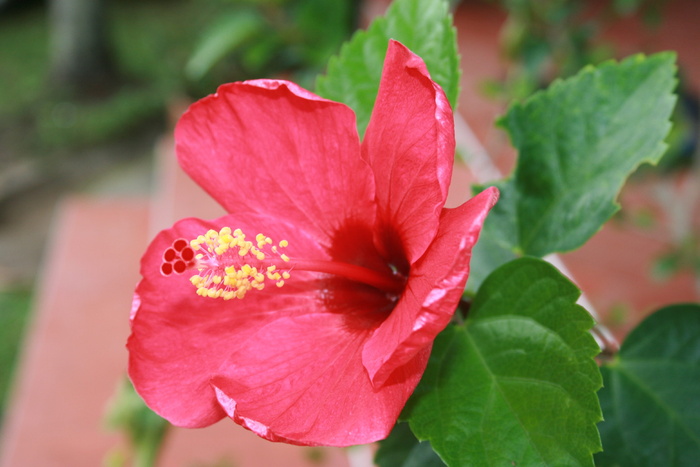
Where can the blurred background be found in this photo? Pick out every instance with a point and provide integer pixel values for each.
(90, 89)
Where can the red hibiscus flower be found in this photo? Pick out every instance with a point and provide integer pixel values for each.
(307, 313)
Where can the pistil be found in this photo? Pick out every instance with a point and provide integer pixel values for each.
(385, 282)
(228, 265)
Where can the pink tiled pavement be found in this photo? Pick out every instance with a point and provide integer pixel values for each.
(74, 352)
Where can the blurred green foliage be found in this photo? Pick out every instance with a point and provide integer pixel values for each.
(145, 430)
(267, 38)
(151, 42)
(163, 49)
(551, 39)
(14, 312)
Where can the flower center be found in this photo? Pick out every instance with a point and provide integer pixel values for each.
(228, 265)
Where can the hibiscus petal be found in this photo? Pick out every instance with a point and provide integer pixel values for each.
(271, 146)
(179, 339)
(301, 380)
(410, 145)
(434, 288)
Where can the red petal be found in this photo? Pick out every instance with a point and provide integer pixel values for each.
(179, 339)
(301, 381)
(433, 290)
(410, 145)
(270, 146)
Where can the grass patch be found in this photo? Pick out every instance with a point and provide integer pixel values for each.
(24, 63)
(14, 311)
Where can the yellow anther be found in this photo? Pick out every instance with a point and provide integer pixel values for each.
(221, 274)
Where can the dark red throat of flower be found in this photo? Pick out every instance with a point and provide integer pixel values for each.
(227, 265)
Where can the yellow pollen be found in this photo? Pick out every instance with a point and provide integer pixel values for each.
(228, 265)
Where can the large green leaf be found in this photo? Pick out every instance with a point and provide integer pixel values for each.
(651, 399)
(516, 385)
(578, 141)
(424, 26)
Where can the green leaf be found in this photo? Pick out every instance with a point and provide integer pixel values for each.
(578, 141)
(496, 242)
(402, 449)
(424, 26)
(516, 385)
(144, 429)
(651, 397)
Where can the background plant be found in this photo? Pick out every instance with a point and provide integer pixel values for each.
(253, 38)
(551, 39)
(515, 379)
(516, 382)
